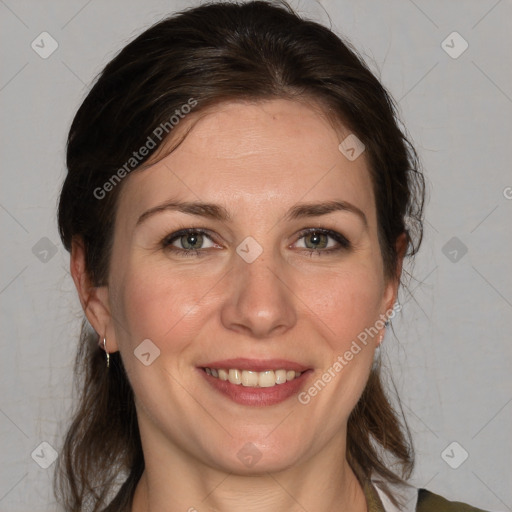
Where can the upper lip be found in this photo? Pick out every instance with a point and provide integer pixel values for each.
(257, 365)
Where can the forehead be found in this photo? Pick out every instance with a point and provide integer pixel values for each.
(252, 155)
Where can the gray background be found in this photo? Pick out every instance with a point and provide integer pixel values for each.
(451, 354)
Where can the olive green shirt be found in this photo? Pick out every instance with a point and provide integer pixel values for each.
(425, 501)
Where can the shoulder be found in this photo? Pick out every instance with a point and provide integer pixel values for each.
(430, 502)
(411, 499)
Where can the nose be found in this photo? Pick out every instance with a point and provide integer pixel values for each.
(260, 301)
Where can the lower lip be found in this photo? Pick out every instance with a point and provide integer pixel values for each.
(257, 396)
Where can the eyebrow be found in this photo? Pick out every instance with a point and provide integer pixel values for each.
(208, 210)
(317, 209)
(218, 212)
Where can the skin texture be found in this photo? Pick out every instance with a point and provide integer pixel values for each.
(257, 160)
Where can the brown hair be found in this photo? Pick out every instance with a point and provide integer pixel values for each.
(212, 54)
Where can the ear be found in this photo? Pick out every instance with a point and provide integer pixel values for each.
(394, 281)
(94, 299)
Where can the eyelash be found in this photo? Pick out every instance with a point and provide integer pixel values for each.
(166, 243)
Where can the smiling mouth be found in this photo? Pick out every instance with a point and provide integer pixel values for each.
(253, 379)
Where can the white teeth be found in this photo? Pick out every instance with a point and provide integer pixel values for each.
(249, 378)
(281, 376)
(234, 376)
(267, 379)
(252, 379)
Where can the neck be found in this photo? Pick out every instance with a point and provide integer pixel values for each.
(323, 484)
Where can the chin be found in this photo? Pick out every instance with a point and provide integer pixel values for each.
(257, 457)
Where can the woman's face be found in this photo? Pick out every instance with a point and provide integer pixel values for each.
(276, 278)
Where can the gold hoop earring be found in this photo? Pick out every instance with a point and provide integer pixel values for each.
(105, 349)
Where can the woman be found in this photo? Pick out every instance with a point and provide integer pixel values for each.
(238, 205)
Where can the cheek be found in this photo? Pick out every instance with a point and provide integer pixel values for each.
(159, 305)
(350, 302)
(170, 307)
(163, 307)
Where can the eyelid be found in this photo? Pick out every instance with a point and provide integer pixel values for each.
(168, 239)
(343, 242)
